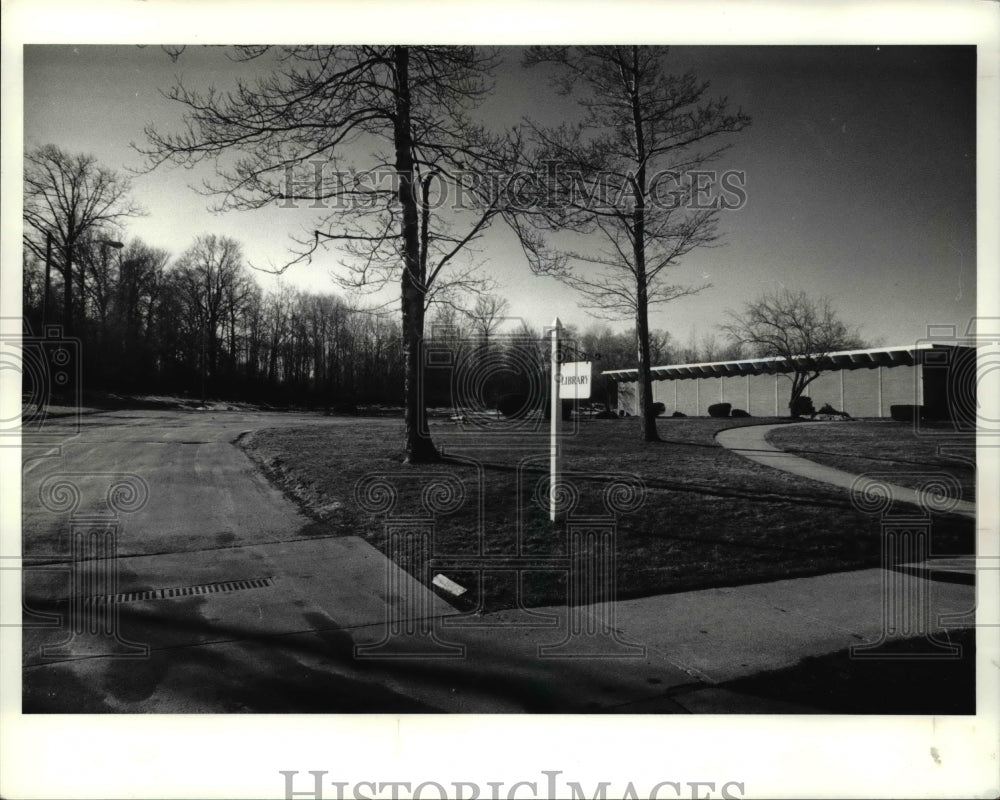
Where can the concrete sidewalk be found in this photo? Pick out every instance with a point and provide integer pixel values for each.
(751, 442)
(330, 625)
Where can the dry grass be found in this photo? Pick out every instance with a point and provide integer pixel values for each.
(888, 448)
(709, 517)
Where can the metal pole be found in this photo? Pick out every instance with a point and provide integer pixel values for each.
(879, 371)
(554, 430)
(204, 334)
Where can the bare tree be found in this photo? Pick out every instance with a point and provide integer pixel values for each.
(67, 200)
(486, 315)
(375, 133)
(794, 327)
(210, 277)
(623, 174)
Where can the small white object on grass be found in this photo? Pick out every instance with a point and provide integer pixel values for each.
(448, 585)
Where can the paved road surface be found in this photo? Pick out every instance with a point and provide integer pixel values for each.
(204, 492)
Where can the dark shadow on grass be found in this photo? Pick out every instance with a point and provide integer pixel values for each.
(671, 486)
(904, 684)
(936, 464)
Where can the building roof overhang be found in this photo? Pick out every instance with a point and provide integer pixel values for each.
(846, 359)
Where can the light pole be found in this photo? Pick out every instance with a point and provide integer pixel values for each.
(105, 244)
(102, 296)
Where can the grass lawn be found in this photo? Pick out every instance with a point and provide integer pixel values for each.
(709, 517)
(881, 446)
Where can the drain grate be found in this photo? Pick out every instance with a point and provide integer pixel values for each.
(179, 591)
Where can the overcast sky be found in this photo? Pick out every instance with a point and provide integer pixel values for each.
(860, 176)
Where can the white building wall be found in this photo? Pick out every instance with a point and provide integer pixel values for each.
(762, 394)
(825, 389)
(861, 392)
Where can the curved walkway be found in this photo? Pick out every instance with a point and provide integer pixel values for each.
(868, 493)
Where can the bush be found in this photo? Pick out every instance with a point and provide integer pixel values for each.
(605, 415)
(719, 409)
(739, 412)
(830, 411)
(904, 413)
(803, 407)
(678, 414)
(656, 409)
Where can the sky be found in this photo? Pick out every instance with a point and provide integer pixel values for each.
(860, 186)
(860, 169)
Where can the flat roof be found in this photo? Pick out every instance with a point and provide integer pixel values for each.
(905, 355)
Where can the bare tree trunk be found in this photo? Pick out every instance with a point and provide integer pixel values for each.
(418, 446)
(649, 433)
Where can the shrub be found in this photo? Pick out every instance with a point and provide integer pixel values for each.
(656, 409)
(678, 414)
(719, 409)
(803, 407)
(739, 412)
(827, 410)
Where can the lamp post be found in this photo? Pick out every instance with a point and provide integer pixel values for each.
(105, 244)
(103, 294)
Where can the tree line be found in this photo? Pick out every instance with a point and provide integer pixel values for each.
(373, 137)
(200, 325)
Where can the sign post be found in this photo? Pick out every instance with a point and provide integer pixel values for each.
(554, 422)
(570, 381)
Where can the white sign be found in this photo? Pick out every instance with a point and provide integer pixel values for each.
(574, 380)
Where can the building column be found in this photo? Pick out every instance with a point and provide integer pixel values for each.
(842, 391)
(775, 394)
(879, 371)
